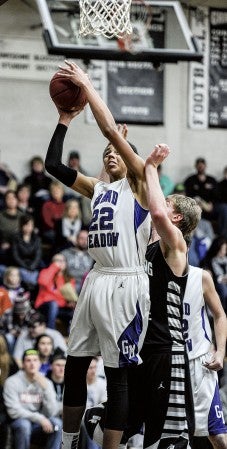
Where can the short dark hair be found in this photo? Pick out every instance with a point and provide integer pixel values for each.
(74, 155)
(36, 317)
(36, 159)
(40, 337)
(23, 186)
(58, 356)
(24, 219)
(200, 160)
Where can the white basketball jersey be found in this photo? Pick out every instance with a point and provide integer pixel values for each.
(196, 326)
(120, 228)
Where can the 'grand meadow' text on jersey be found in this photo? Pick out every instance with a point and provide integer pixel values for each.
(118, 233)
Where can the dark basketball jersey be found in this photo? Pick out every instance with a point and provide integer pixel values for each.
(166, 293)
(168, 405)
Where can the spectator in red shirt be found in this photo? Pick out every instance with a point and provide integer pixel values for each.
(50, 300)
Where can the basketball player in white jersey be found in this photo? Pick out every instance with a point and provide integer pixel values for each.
(159, 389)
(112, 311)
(205, 359)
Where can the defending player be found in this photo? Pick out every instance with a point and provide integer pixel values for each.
(165, 375)
(204, 362)
(169, 421)
(112, 311)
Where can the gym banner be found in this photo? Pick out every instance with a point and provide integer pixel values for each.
(207, 101)
(132, 90)
(198, 72)
(135, 92)
(218, 68)
(26, 59)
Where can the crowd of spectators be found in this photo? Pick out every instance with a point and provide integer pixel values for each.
(43, 263)
(43, 243)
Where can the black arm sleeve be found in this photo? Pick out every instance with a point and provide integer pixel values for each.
(53, 163)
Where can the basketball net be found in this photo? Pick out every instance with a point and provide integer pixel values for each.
(110, 18)
(141, 18)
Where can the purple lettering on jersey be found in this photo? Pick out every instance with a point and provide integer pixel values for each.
(109, 197)
(98, 199)
(96, 241)
(216, 423)
(187, 310)
(114, 198)
(128, 341)
(102, 240)
(106, 197)
(189, 344)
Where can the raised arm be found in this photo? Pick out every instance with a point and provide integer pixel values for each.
(104, 119)
(53, 162)
(220, 322)
(170, 235)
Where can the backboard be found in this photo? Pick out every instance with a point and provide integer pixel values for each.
(160, 33)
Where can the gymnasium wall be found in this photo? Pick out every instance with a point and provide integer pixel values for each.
(28, 117)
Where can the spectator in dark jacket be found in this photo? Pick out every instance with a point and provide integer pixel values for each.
(204, 189)
(39, 184)
(9, 224)
(222, 187)
(26, 250)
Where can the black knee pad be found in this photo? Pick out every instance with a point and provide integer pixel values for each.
(117, 398)
(75, 390)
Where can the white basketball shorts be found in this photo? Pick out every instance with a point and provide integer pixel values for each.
(111, 316)
(209, 419)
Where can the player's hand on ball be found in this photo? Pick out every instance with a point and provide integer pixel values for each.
(65, 117)
(73, 113)
(73, 72)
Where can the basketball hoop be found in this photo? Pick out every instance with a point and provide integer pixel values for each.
(110, 18)
(140, 18)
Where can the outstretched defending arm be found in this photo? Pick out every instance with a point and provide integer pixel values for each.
(171, 236)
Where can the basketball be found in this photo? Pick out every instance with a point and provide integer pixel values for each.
(65, 94)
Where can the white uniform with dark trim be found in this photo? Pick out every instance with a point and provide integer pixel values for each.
(209, 418)
(112, 311)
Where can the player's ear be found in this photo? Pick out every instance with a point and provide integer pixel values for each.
(176, 218)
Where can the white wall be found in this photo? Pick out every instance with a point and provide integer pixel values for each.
(28, 117)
